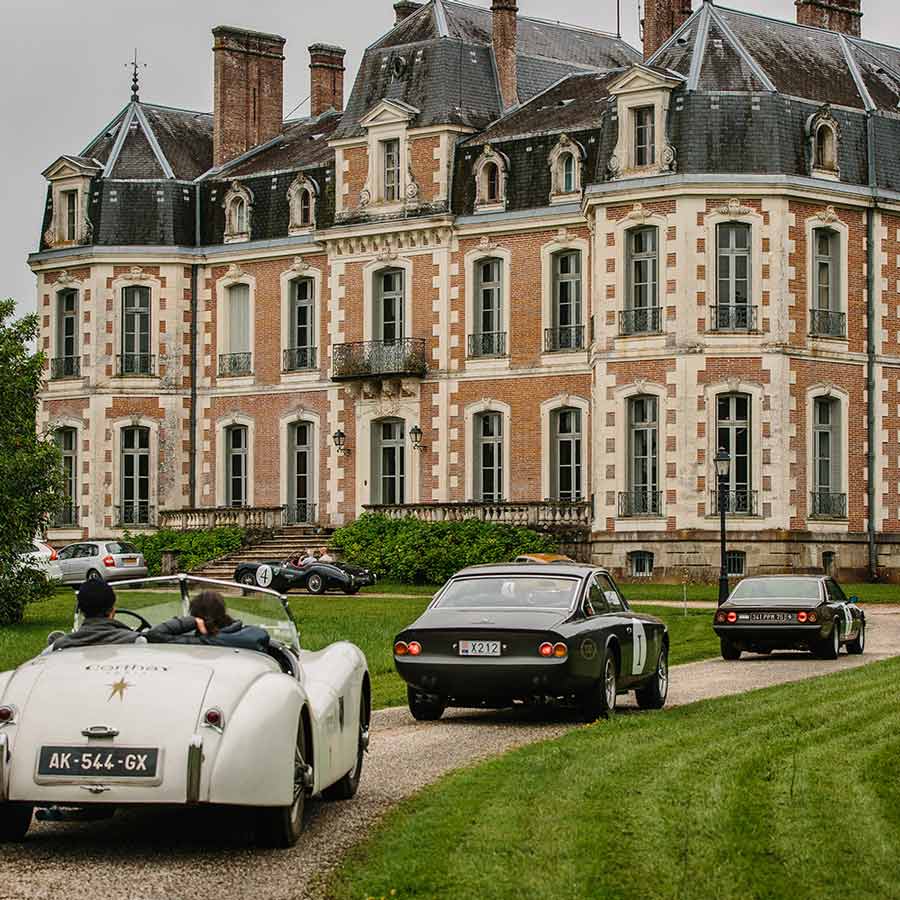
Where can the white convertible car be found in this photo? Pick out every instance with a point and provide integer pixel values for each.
(184, 724)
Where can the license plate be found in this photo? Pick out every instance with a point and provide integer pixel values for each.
(130, 560)
(770, 617)
(85, 762)
(479, 648)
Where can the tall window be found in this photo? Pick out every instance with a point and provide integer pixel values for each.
(568, 173)
(389, 303)
(642, 314)
(643, 457)
(566, 461)
(492, 182)
(734, 264)
(306, 207)
(389, 462)
(489, 457)
(826, 316)
(67, 363)
(733, 436)
(825, 156)
(645, 136)
(237, 358)
(136, 358)
(302, 355)
(70, 208)
(568, 321)
(828, 499)
(236, 449)
(489, 338)
(237, 214)
(135, 476)
(301, 503)
(391, 158)
(67, 441)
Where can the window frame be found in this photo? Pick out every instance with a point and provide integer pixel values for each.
(400, 448)
(733, 253)
(69, 197)
(574, 440)
(635, 258)
(496, 443)
(643, 556)
(649, 483)
(733, 426)
(643, 120)
(732, 556)
(398, 296)
(65, 317)
(240, 454)
(138, 481)
(391, 170)
(307, 304)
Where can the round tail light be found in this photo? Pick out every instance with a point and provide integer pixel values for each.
(802, 617)
(813, 617)
(7, 714)
(546, 649)
(732, 617)
(214, 718)
(401, 648)
(415, 648)
(560, 650)
(109, 562)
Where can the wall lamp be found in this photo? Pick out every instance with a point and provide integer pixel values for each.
(415, 435)
(340, 441)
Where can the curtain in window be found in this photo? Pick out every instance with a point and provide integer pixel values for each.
(239, 318)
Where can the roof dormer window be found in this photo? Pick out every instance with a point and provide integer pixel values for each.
(566, 162)
(644, 125)
(238, 205)
(301, 197)
(823, 132)
(491, 172)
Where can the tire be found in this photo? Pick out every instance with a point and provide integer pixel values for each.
(346, 788)
(858, 645)
(422, 708)
(600, 701)
(15, 820)
(830, 647)
(280, 827)
(653, 695)
(350, 591)
(94, 575)
(248, 578)
(730, 651)
(315, 584)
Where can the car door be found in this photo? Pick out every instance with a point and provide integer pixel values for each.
(67, 562)
(618, 621)
(843, 610)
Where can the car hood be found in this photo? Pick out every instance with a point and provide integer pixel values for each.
(518, 619)
(770, 603)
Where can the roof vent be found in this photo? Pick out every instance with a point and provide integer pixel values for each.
(398, 67)
(682, 40)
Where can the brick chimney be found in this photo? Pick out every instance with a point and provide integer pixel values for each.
(403, 9)
(326, 78)
(836, 15)
(248, 103)
(662, 18)
(505, 28)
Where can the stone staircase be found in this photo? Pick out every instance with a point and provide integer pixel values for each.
(281, 544)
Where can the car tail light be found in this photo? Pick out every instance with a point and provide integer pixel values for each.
(54, 556)
(214, 718)
(415, 648)
(546, 649)
(732, 617)
(813, 617)
(720, 617)
(7, 714)
(560, 650)
(802, 617)
(109, 562)
(401, 648)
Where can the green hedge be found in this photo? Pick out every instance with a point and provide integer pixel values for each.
(414, 552)
(19, 586)
(197, 547)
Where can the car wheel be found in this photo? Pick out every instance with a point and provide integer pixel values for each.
(653, 696)
(280, 826)
(858, 644)
(600, 701)
(15, 820)
(730, 651)
(315, 584)
(94, 575)
(830, 647)
(248, 578)
(423, 707)
(347, 787)
(351, 590)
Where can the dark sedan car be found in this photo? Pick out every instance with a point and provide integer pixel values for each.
(531, 633)
(317, 578)
(790, 612)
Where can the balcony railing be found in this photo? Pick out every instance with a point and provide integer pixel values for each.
(640, 502)
(567, 337)
(646, 320)
(141, 364)
(734, 317)
(825, 323)
(233, 365)
(298, 358)
(65, 367)
(65, 517)
(254, 518)
(136, 512)
(737, 503)
(488, 343)
(827, 505)
(370, 359)
(554, 516)
(300, 514)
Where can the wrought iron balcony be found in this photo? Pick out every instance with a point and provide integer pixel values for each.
(567, 337)
(299, 358)
(645, 320)
(300, 514)
(640, 502)
(825, 323)
(827, 505)
(140, 364)
(734, 317)
(377, 359)
(488, 343)
(737, 503)
(136, 512)
(232, 365)
(65, 367)
(65, 517)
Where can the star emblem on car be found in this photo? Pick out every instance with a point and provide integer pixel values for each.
(118, 689)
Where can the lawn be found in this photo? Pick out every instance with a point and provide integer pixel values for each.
(732, 798)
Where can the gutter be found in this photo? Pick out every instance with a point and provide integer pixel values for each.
(871, 348)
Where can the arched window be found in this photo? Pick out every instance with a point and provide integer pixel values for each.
(237, 203)
(238, 211)
(491, 171)
(301, 198)
(825, 156)
(567, 173)
(492, 182)
(305, 207)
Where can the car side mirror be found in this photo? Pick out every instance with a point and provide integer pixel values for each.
(54, 636)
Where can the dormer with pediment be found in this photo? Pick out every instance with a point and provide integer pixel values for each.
(68, 200)
(642, 96)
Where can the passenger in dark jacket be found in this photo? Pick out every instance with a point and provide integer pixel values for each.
(97, 603)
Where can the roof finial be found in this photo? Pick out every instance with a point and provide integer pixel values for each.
(135, 77)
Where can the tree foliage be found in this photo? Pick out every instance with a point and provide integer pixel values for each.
(31, 483)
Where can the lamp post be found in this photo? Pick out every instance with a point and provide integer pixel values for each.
(723, 469)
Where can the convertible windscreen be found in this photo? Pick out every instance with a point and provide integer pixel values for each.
(777, 589)
(527, 592)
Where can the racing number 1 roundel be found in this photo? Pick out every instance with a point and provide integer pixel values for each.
(264, 576)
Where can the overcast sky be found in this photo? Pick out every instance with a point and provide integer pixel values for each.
(63, 72)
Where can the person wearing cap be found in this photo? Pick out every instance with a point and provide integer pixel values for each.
(97, 603)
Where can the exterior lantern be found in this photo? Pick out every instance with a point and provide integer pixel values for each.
(415, 434)
(340, 441)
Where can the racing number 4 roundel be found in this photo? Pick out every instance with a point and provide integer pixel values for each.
(264, 576)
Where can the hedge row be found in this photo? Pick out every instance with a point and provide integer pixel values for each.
(413, 552)
(196, 547)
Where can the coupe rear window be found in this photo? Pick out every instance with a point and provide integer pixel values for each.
(527, 592)
(120, 547)
(776, 589)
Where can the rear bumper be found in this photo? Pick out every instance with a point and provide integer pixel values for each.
(121, 573)
(774, 636)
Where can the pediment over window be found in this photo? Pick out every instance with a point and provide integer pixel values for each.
(388, 112)
(72, 167)
(644, 78)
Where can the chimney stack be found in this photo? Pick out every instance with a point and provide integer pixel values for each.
(326, 78)
(248, 102)
(835, 15)
(403, 9)
(505, 28)
(662, 18)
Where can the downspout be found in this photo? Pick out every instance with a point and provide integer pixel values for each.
(192, 426)
(871, 347)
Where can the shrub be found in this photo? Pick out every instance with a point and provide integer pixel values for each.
(19, 586)
(196, 547)
(414, 552)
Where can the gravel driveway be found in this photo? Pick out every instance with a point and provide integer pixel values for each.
(197, 854)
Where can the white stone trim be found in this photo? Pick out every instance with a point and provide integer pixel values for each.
(548, 407)
(221, 425)
(300, 414)
(471, 411)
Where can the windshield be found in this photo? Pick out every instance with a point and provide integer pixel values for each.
(120, 547)
(511, 591)
(777, 589)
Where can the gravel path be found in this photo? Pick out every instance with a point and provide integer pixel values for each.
(169, 855)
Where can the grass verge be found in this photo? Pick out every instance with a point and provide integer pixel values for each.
(732, 798)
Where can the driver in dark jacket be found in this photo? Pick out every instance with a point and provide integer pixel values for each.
(97, 603)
